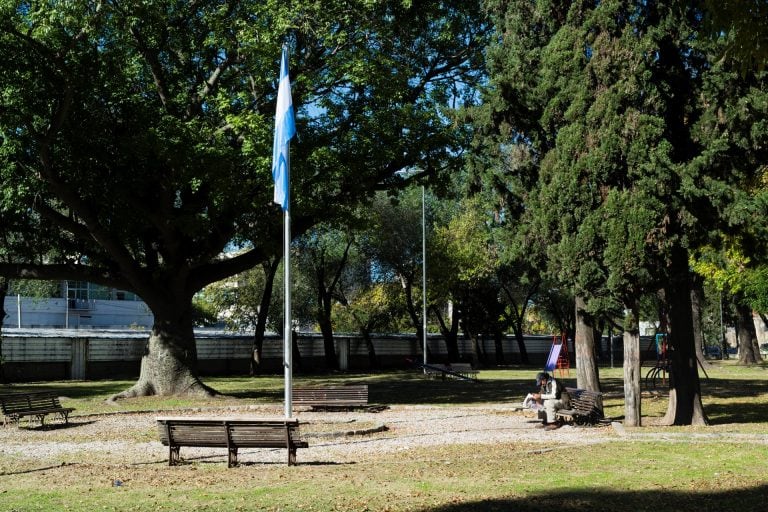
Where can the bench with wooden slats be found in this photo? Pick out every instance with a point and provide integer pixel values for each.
(584, 407)
(331, 397)
(230, 433)
(35, 405)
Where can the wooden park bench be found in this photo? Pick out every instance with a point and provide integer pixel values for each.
(230, 433)
(584, 407)
(36, 405)
(454, 370)
(331, 397)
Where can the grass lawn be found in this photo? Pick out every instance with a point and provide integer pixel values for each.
(721, 467)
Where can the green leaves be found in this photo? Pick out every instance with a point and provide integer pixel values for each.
(144, 130)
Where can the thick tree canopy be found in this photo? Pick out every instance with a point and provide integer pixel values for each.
(608, 108)
(137, 135)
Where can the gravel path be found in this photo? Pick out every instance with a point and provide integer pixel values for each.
(333, 436)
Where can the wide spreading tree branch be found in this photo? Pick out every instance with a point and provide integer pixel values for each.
(65, 271)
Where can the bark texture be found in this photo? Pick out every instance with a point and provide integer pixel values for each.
(632, 401)
(450, 333)
(749, 352)
(587, 376)
(685, 406)
(270, 270)
(169, 364)
(697, 298)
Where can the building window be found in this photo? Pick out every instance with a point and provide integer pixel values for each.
(77, 290)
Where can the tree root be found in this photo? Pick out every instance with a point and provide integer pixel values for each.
(196, 388)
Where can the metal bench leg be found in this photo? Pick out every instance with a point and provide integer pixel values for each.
(232, 457)
(173, 455)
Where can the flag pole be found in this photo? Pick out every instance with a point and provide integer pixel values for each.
(424, 273)
(285, 129)
(288, 324)
(287, 327)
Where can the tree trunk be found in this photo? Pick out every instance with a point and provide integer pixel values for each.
(632, 399)
(584, 341)
(685, 407)
(298, 364)
(749, 352)
(373, 360)
(450, 334)
(520, 338)
(410, 306)
(516, 317)
(324, 305)
(329, 347)
(365, 332)
(270, 269)
(498, 341)
(697, 297)
(474, 343)
(169, 364)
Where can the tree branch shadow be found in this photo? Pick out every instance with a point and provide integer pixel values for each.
(609, 500)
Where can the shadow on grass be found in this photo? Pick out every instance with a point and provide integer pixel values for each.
(736, 412)
(578, 500)
(79, 389)
(408, 388)
(58, 426)
(728, 388)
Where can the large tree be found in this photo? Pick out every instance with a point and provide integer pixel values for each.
(138, 134)
(608, 105)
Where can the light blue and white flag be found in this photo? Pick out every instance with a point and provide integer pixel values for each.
(285, 129)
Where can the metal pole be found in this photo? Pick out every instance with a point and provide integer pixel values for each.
(287, 327)
(66, 304)
(723, 341)
(424, 273)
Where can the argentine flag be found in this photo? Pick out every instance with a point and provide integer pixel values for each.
(285, 129)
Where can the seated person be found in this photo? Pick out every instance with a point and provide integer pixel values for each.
(550, 394)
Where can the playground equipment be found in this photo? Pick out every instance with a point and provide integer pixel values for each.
(558, 356)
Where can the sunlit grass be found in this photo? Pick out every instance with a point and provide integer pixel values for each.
(720, 467)
(610, 476)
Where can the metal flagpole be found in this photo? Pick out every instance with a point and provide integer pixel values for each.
(287, 327)
(285, 129)
(424, 273)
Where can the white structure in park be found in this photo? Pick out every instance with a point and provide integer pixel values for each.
(86, 306)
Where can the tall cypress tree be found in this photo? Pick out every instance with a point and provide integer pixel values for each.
(606, 101)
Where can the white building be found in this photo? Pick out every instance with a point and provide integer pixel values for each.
(86, 306)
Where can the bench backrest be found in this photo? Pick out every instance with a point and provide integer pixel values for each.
(356, 394)
(585, 401)
(228, 433)
(22, 402)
